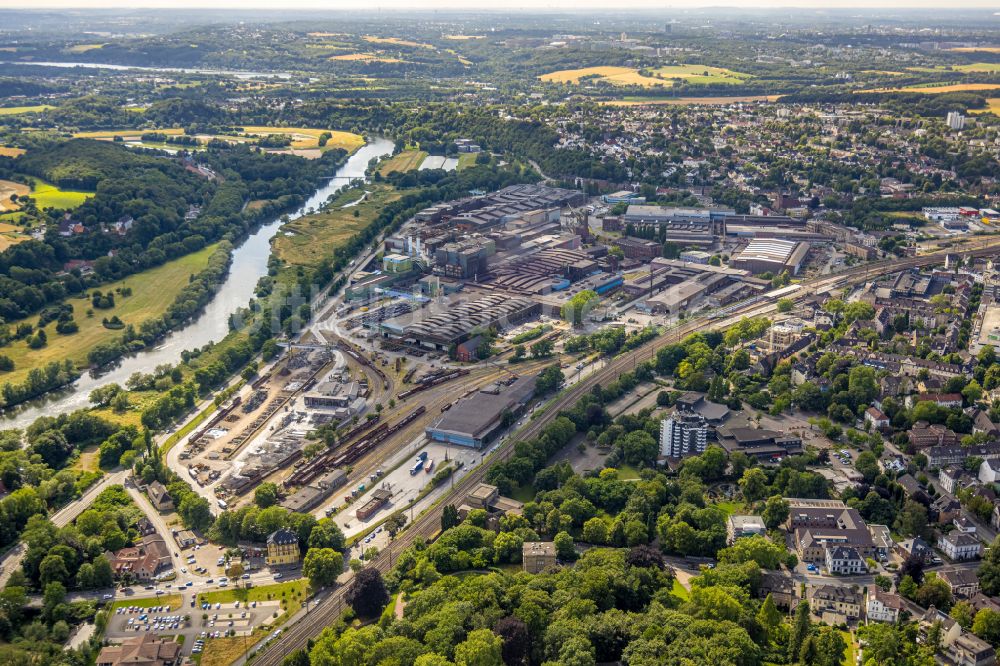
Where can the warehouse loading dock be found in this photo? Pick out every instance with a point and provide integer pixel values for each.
(476, 420)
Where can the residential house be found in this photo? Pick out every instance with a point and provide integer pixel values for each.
(957, 647)
(142, 650)
(989, 470)
(836, 604)
(959, 546)
(882, 606)
(159, 497)
(912, 489)
(963, 524)
(282, 548)
(963, 583)
(982, 425)
(954, 477)
(947, 400)
(782, 588)
(939, 456)
(914, 547)
(876, 419)
(845, 561)
(945, 509)
(144, 526)
(881, 541)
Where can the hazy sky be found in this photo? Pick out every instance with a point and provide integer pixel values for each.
(498, 4)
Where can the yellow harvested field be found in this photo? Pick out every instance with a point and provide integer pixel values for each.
(937, 90)
(324, 34)
(680, 101)
(126, 134)
(404, 161)
(993, 106)
(18, 110)
(11, 235)
(7, 151)
(976, 49)
(463, 38)
(364, 57)
(305, 137)
(395, 41)
(83, 48)
(7, 188)
(662, 76)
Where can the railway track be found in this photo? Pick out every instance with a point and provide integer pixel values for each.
(328, 609)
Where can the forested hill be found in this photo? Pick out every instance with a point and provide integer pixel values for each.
(172, 210)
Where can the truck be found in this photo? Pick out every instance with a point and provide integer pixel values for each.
(223, 504)
(422, 456)
(416, 466)
(429, 466)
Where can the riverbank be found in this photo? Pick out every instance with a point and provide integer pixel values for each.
(211, 326)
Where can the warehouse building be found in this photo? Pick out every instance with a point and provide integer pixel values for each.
(460, 321)
(476, 420)
(308, 497)
(774, 255)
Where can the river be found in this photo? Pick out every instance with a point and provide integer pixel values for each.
(249, 265)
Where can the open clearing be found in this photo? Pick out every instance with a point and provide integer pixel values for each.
(152, 293)
(662, 76)
(8, 188)
(463, 38)
(303, 138)
(718, 101)
(395, 41)
(47, 195)
(17, 110)
(407, 160)
(11, 235)
(307, 240)
(83, 48)
(364, 57)
(8, 151)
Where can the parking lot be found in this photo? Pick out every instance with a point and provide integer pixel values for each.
(195, 623)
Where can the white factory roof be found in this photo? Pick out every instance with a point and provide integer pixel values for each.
(768, 249)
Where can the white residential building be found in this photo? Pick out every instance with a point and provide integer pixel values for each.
(955, 120)
(882, 606)
(959, 546)
(683, 435)
(845, 561)
(989, 470)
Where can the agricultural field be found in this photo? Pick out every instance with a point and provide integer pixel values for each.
(407, 160)
(18, 110)
(677, 101)
(152, 293)
(933, 89)
(463, 38)
(8, 151)
(395, 41)
(11, 235)
(466, 160)
(9, 188)
(364, 57)
(83, 48)
(307, 240)
(976, 49)
(47, 195)
(662, 76)
(992, 106)
(303, 138)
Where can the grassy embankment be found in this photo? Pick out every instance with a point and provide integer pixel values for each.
(153, 291)
(406, 160)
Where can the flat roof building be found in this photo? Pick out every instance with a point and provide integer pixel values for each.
(475, 420)
(774, 255)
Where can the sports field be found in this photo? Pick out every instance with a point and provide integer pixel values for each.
(661, 76)
(152, 292)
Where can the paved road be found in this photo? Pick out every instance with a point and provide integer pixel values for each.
(61, 518)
